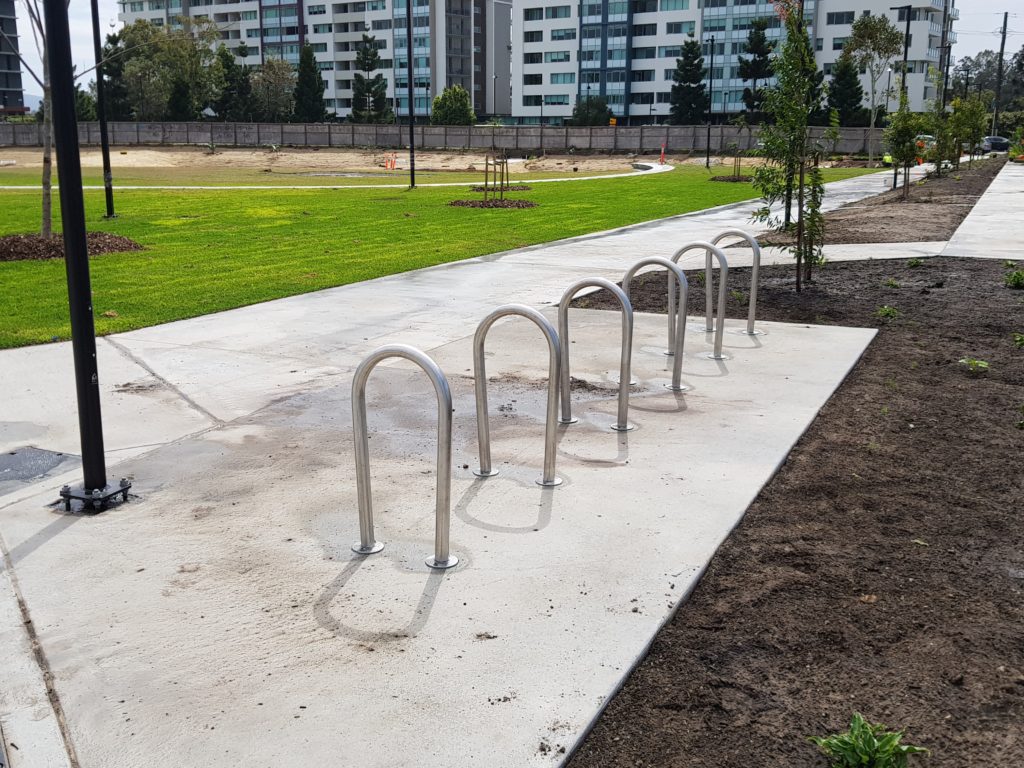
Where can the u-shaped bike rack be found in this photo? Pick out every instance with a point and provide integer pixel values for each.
(366, 545)
(719, 326)
(676, 333)
(483, 428)
(622, 424)
(756, 248)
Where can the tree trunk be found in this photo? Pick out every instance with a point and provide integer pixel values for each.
(871, 126)
(801, 261)
(46, 228)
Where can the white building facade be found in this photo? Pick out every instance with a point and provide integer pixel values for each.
(450, 42)
(625, 51)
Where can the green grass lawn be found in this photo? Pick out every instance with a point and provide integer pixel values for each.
(207, 251)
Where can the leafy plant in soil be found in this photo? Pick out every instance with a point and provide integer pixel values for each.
(1018, 340)
(866, 745)
(887, 313)
(1015, 279)
(974, 366)
(915, 263)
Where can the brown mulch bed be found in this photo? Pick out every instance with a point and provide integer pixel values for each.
(493, 203)
(509, 188)
(740, 178)
(933, 211)
(882, 569)
(36, 247)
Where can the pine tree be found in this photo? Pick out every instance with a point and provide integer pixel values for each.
(689, 97)
(243, 105)
(846, 95)
(369, 91)
(591, 110)
(179, 105)
(757, 68)
(228, 78)
(309, 89)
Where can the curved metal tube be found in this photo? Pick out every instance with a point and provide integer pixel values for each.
(442, 506)
(622, 424)
(483, 428)
(677, 332)
(719, 326)
(756, 248)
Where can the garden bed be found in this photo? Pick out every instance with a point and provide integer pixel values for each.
(36, 247)
(882, 569)
(933, 211)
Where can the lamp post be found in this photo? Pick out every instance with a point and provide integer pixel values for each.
(908, 10)
(888, 91)
(711, 90)
(101, 112)
(412, 94)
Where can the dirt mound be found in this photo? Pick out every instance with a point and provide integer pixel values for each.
(38, 248)
(493, 204)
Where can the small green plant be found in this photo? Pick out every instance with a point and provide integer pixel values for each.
(1009, 264)
(887, 313)
(738, 296)
(1015, 279)
(698, 278)
(1018, 340)
(891, 283)
(915, 263)
(866, 745)
(974, 366)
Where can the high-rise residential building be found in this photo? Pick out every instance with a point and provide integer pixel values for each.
(625, 51)
(12, 97)
(452, 42)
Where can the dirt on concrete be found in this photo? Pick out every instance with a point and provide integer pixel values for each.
(882, 569)
(934, 209)
(37, 247)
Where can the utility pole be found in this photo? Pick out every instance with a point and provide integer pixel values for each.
(412, 94)
(999, 79)
(94, 489)
(711, 90)
(946, 50)
(101, 112)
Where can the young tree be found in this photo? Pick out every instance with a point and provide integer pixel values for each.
(846, 94)
(591, 110)
(873, 43)
(901, 138)
(790, 155)
(969, 120)
(180, 103)
(309, 89)
(689, 98)
(273, 88)
(757, 68)
(369, 90)
(452, 107)
(85, 104)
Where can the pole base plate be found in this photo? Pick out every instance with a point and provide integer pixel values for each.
(488, 473)
(373, 549)
(440, 565)
(95, 500)
(549, 483)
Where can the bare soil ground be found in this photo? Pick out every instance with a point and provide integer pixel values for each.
(932, 211)
(882, 569)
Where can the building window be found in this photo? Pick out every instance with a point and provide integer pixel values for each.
(839, 17)
(641, 76)
(379, 24)
(557, 57)
(645, 6)
(680, 27)
(674, 5)
(557, 12)
(838, 43)
(531, 101)
(641, 98)
(714, 25)
(532, 58)
(644, 30)
(715, 3)
(563, 34)
(563, 78)
(536, 36)
(319, 47)
(321, 29)
(818, 44)
(316, 10)
(533, 14)
(617, 30)
(644, 53)
(670, 51)
(533, 79)
(556, 100)
(136, 7)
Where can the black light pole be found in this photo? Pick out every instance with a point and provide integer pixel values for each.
(101, 112)
(711, 90)
(907, 9)
(76, 259)
(411, 91)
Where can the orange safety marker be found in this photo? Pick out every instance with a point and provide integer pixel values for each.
(663, 153)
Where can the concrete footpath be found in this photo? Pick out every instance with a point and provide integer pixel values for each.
(220, 617)
(992, 228)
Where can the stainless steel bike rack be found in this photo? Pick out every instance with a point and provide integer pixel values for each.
(719, 326)
(483, 428)
(677, 332)
(756, 248)
(366, 545)
(622, 424)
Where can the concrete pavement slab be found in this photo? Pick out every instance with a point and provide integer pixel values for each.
(992, 228)
(221, 619)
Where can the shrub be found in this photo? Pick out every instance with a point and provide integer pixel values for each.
(866, 746)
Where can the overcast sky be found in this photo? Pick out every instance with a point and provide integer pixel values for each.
(977, 30)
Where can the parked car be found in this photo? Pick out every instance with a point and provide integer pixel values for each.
(993, 144)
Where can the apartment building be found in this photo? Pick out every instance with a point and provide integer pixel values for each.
(626, 50)
(12, 97)
(450, 43)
